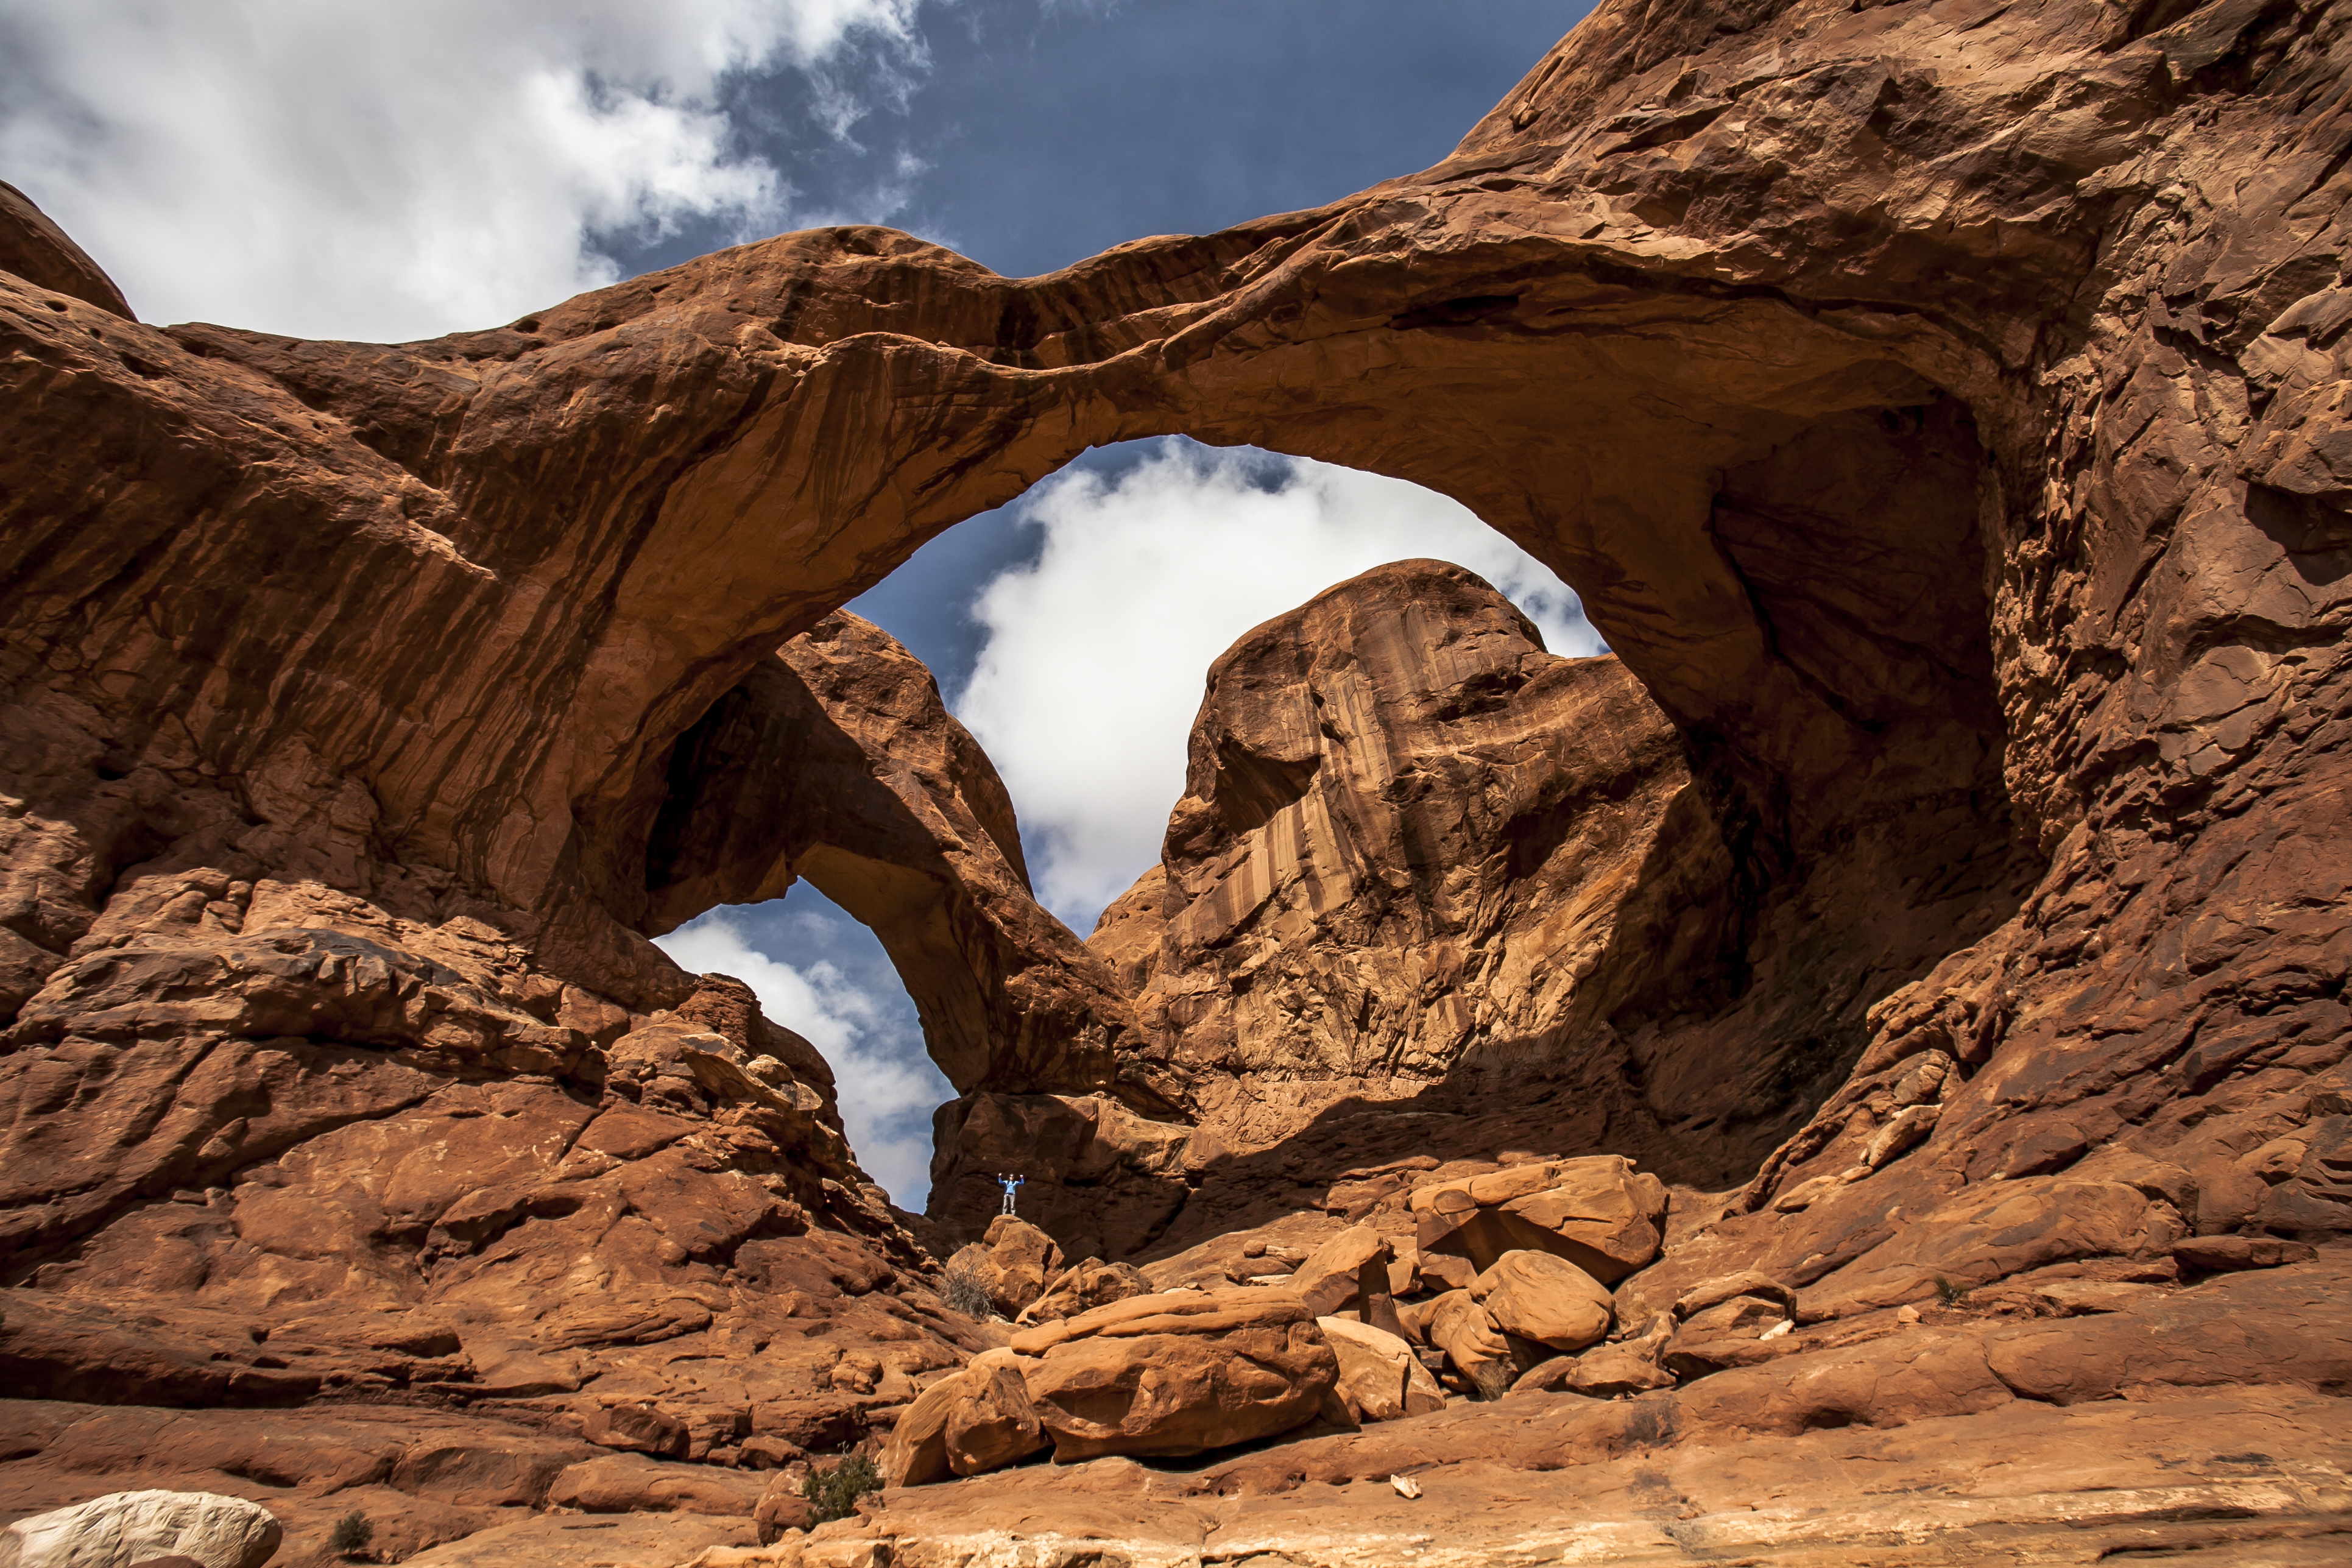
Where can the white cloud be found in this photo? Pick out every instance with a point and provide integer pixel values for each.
(1096, 654)
(339, 168)
(887, 1084)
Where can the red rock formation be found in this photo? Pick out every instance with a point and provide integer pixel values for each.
(837, 760)
(38, 251)
(1778, 500)
(1939, 409)
(1406, 838)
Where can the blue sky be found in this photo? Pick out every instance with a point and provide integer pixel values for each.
(334, 169)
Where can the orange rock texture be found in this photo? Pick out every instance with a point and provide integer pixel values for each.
(1941, 410)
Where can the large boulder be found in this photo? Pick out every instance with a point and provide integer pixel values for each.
(1344, 1270)
(631, 1483)
(126, 1528)
(1084, 1286)
(1174, 1373)
(1597, 1211)
(978, 1419)
(1013, 1263)
(1379, 1377)
(1545, 1299)
(1178, 1373)
(1181, 1394)
(1460, 1325)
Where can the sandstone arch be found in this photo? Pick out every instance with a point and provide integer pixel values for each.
(1995, 272)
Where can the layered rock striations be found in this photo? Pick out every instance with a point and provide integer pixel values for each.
(1406, 836)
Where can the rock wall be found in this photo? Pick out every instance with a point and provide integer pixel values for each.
(1421, 859)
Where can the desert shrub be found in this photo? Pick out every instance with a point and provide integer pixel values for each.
(1949, 1294)
(832, 1493)
(966, 1294)
(351, 1534)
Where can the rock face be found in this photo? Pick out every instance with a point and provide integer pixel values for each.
(1417, 857)
(38, 251)
(1406, 840)
(1939, 410)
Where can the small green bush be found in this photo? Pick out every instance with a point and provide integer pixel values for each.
(832, 1493)
(1949, 1294)
(351, 1534)
(966, 1294)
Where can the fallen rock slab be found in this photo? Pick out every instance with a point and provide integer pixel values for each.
(1379, 1377)
(631, 1483)
(2215, 1254)
(978, 1419)
(1341, 1272)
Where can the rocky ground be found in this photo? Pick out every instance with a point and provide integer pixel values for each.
(1855, 1075)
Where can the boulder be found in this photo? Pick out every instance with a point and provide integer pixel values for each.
(782, 1510)
(1724, 1287)
(1013, 1263)
(1443, 1272)
(1335, 1275)
(1545, 1298)
(1379, 1377)
(977, 1420)
(1741, 1316)
(1458, 1324)
(917, 1454)
(1083, 1287)
(635, 1428)
(1176, 1394)
(1597, 1211)
(1177, 1372)
(1606, 1372)
(632, 1483)
(2216, 1254)
(992, 1421)
(123, 1529)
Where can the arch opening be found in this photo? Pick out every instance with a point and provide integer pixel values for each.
(1729, 993)
(825, 975)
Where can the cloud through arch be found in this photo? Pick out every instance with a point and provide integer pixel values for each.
(1095, 651)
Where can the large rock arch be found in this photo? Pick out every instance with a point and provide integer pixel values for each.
(1929, 412)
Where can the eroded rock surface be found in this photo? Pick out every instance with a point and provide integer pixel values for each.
(1938, 408)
